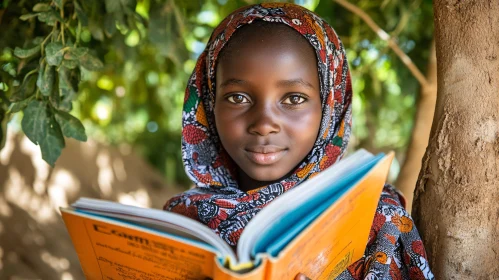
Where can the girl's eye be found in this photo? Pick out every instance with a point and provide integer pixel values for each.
(294, 100)
(237, 99)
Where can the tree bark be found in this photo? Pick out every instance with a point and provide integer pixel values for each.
(409, 172)
(456, 205)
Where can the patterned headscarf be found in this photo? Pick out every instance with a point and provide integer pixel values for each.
(216, 200)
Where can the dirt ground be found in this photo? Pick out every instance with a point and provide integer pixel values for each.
(34, 243)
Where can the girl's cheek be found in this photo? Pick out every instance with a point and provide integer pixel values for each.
(306, 117)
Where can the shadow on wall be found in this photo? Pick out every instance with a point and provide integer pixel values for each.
(34, 243)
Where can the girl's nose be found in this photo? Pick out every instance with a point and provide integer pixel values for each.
(265, 120)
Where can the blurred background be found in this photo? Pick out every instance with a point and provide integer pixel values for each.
(131, 106)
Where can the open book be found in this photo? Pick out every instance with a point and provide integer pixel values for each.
(317, 228)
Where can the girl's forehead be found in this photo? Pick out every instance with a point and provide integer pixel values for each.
(263, 39)
(278, 61)
(269, 60)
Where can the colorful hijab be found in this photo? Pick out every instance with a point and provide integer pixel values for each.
(216, 200)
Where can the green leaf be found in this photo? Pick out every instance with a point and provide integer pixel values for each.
(49, 17)
(23, 53)
(27, 16)
(34, 120)
(109, 25)
(164, 27)
(26, 89)
(53, 143)
(72, 56)
(39, 81)
(113, 6)
(55, 98)
(121, 24)
(41, 128)
(58, 3)
(128, 6)
(68, 87)
(75, 53)
(96, 30)
(18, 106)
(131, 4)
(71, 126)
(91, 62)
(45, 80)
(37, 40)
(41, 7)
(81, 14)
(65, 84)
(54, 53)
(66, 104)
(70, 64)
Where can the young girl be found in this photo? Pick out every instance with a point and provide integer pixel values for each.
(267, 107)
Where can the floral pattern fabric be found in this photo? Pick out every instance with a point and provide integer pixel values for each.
(216, 200)
(394, 248)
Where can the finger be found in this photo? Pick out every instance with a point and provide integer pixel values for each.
(301, 276)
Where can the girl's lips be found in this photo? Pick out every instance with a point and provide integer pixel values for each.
(265, 158)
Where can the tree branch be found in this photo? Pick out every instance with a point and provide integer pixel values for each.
(386, 37)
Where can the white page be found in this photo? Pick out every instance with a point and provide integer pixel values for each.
(157, 219)
(291, 199)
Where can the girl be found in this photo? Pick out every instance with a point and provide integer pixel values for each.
(267, 107)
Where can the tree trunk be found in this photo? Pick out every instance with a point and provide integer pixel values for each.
(408, 175)
(456, 204)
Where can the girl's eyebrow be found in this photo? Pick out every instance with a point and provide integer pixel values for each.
(293, 82)
(281, 83)
(233, 82)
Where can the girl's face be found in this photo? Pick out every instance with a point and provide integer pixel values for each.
(267, 106)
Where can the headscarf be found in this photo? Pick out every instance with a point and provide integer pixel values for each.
(216, 200)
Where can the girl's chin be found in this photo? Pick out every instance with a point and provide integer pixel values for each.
(266, 174)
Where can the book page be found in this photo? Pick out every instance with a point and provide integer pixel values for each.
(111, 251)
(163, 221)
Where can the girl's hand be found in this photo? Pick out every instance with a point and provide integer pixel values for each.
(301, 276)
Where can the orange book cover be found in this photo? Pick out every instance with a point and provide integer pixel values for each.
(112, 249)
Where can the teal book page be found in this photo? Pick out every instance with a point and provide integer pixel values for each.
(276, 237)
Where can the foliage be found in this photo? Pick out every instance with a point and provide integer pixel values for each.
(121, 66)
(385, 92)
